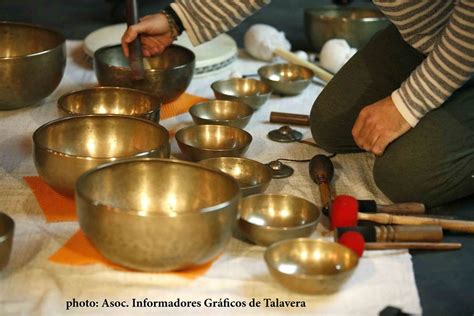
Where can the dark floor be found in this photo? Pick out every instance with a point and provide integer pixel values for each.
(445, 279)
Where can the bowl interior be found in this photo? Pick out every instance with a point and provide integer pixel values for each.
(100, 136)
(285, 73)
(6, 226)
(107, 100)
(241, 87)
(221, 110)
(278, 211)
(214, 137)
(157, 187)
(310, 257)
(21, 39)
(352, 14)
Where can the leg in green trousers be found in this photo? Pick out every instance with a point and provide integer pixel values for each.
(434, 162)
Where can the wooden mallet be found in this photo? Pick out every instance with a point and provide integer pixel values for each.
(135, 47)
(321, 171)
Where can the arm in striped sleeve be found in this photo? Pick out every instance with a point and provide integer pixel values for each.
(205, 19)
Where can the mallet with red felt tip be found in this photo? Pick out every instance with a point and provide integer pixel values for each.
(321, 171)
(344, 212)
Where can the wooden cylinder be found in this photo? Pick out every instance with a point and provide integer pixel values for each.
(289, 118)
(427, 233)
(411, 245)
(402, 208)
(135, 47)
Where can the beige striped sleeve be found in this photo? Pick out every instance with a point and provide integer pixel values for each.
(205, 19)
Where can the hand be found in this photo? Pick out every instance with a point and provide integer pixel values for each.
(378, 125)
(155, 34)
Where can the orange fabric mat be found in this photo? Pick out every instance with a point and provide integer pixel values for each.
(79, 251)
(179, 106)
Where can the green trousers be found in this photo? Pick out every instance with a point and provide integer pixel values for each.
(433, 163)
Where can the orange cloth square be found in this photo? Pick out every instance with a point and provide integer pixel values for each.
(179, 106)
(78, 251)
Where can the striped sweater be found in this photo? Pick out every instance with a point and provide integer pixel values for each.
(441, 29)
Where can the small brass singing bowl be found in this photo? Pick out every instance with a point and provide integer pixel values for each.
(111, 100)
(7, 227)
(221, 112)
(287, 79)
(200, 142)
(310, 266)
(268, 218)
(157, 214)
(252, 176)
(66, 148)
(250, 91)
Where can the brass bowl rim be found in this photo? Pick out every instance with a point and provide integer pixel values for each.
(246, 106)
(36, 26)
(10, 225)
(322, 17)
(266, 94)
(64, 96)
(150, 70)
(284, 228)
(185, 129)
(208, 209)
(272, 247)
(78, 117)
(260, 73)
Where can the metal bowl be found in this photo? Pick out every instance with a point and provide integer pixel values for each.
(156, 214)
(66, 148)
(111, 100)
(267, 218)
(167, 75)
(252, 176)
(310, 266)
(200, 142)
(32, 61)
(288, 79)
(221, 112)
(354, 24)
(250, 91)
(7, 226)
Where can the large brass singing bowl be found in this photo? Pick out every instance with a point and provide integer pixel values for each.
(310, 266)
(267, 218)
(221, 112)
(200, 142)
(111, 100)
(157, 214)
(356, 25)
(167, 75)
(252, 176)
(66, 148)
(250, 91)
(32, 62)
(287, 79)
(7, 227)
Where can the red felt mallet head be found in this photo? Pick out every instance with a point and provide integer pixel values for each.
(344, 210)
(353, 240)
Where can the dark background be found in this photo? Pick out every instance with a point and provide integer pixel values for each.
(445, 279)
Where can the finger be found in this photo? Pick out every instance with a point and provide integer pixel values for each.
(379, 147)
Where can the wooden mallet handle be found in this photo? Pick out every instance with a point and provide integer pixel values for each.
(135, 47)
(289, 118)
(321, 171)
(412, 245)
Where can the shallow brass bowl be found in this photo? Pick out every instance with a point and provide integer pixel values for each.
(250, 91)
(111, 100)
(221, 112)
(157, 214)
(66, 148)
(310, 266)
(200, 142)
(267, 218)
(32, 62)
(167, 75)
(252, 176)
(288, 79)
(7, 227)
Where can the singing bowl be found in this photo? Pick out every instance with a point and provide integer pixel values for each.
(167, 75)
(310, 266)
(32, 62)
(200, 142)
(268, 218)
(157, 214)
(287, 79)
(250, 91)
(253, 177)
(354, 24)
(7, 226)
(221, 112)
(111, 100)
(66, 148)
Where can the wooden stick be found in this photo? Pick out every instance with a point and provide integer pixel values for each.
(135, 47)
(321, 171)
(402, 208)
(412, 245)
(289, 118)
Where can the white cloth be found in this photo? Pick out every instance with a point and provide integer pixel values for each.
(32, 285)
